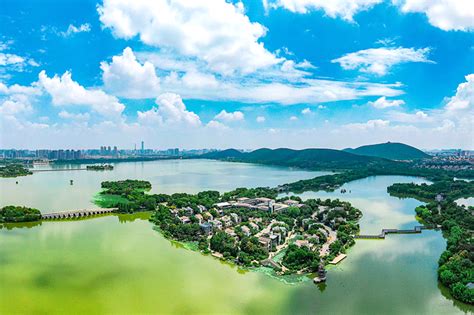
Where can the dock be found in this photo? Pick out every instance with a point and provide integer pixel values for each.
(338, 259)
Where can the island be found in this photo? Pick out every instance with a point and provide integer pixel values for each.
(14, 170)
(100, 167)
(250, 227)
(14, 214)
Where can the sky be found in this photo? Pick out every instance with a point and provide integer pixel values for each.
(241, 74)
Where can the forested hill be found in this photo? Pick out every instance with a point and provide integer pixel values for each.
(390, 150)
(308, 158)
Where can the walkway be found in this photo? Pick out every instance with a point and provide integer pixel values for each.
(416, 229)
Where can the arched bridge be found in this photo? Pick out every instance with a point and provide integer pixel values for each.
(76, 213)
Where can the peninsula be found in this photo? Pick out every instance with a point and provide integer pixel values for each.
(249, 227)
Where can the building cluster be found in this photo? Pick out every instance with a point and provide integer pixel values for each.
(269, 234)
(321, 223)
(104, 152)
(265, 204)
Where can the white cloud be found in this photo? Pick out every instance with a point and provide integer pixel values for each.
(417, 117)
(306, 111)
(126, 77)
(321, 107)
(197, 80)
(446, 126)
(189, 81)
(369, 125)
(15, 104)
(260, 119)
(17, 99)
(379, 61)
(19, 89)
(66, 92)
(214, 124)
(382, 103)
(464, 98)
(79, 116)
(71, 30)
(345, 9)
(170, 111)
(215, 31)
(448, 15)
(293, 118)
(229, 117)
(10, 59)
(13, 61)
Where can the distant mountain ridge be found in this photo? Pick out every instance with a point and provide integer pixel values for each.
(390, 150)
(307, 158)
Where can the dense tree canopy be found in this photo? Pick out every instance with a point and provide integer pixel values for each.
(19, 214)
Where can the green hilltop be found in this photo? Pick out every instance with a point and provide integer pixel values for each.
(307, 158)
(390, 150)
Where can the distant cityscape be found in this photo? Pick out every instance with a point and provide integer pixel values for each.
(448, 159)
(104, 152)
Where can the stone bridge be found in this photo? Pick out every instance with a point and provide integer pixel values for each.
(76, 213)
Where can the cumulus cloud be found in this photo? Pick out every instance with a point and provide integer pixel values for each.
(217, 32)
(344, 9)
(15, 104)
(13, 61)
(417, 117)
(79, 116)
(379, 61)
(383, 102)
(17, 99)
(229, 116)
(464, 98)
(126, 77)
(306, 111)
(448, 15)
(260, 119)
(65, 91)
(293, 118)
(214, 124)
(170, 111)
(369, 125)
(19, 89)
(71, 30)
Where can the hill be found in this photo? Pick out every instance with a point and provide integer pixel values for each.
(390, 150)
(308, 158)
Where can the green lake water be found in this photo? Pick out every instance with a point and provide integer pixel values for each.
(118, 264)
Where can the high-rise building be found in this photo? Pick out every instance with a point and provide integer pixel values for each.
(143, 147)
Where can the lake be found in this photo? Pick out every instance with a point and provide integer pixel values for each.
(119, 264)
(52, 191)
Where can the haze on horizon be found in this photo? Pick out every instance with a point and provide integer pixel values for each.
(238, 74)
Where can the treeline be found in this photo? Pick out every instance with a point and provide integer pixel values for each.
(101, 167)
(452, 189)
(456, 264)
(333, 182)
(131, 196)
(10, 214)
(14, 170)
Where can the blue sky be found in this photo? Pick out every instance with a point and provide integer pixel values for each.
(194, 74)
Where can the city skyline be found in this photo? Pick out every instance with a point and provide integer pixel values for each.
(250, 74)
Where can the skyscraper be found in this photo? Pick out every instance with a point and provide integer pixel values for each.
(143, 147)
